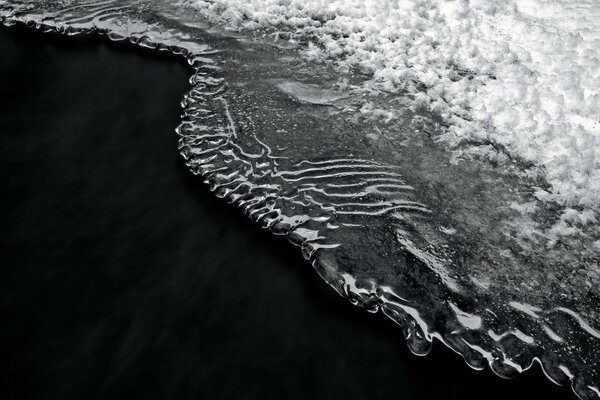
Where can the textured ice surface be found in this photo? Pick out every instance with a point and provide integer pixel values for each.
(360, 180)
(310, 93)
(516, 79)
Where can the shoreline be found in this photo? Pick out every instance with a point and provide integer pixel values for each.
(324, 308)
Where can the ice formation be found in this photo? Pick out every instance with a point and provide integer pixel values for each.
(523, 75)
(384, 215)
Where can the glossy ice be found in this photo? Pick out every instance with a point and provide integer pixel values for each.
(382, 211)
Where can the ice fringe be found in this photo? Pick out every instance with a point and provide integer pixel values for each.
(523, 75)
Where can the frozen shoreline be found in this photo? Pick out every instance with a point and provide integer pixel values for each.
(434, 267)
(521, 76)
(145, 322)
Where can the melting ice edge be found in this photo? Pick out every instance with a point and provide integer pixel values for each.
(381, 224)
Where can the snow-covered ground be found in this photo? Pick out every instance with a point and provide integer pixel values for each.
(524, 74)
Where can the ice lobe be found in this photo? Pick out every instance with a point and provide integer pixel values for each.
(523, 75)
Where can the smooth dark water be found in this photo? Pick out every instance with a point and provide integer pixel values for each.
(123, 277)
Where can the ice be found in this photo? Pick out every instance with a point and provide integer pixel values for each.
(309, 93)
(382, 212)
(523, 74)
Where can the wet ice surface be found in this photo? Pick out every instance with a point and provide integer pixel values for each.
(310, 93)
(382, 212)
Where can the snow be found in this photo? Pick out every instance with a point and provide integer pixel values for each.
(522, 74)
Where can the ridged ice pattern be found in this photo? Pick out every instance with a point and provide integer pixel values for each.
(304, 199)
(367, 229)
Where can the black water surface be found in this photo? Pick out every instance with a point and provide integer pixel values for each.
(121, 276)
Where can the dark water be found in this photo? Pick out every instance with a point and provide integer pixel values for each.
(123, 277)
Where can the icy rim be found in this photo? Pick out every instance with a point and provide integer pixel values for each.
(427, 293)
(515, 79)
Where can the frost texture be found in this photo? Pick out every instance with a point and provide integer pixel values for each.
(523, 75)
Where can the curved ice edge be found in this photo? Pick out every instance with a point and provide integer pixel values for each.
(377, 298)
(420, 341)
